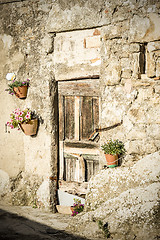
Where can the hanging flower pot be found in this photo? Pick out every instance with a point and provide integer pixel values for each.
(20, 92)
(23, 120)
(16, 87)
(112, 160)
(30, 127)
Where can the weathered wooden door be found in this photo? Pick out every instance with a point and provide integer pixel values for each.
(78, 118)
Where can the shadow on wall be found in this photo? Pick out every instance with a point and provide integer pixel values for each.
(17, 227)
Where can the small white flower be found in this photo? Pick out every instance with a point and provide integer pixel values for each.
(10, 76)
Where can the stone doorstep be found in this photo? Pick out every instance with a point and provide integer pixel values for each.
(64, 209)
(145, 77)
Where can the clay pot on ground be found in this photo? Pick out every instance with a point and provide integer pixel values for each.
(112, 160)
(21, 92)
(64, 209)
(30, 128)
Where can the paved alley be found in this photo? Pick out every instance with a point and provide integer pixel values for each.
(27, 223)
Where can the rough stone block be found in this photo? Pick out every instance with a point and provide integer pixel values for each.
(128, 86)
(151, 65)
(92, 42)
(144, 29)
(158, 67)
(126, 198)
(134, 47)
(153, 46)
(72, 59)
(4, 182)
(153, 130)
(126, 73)
(157, 89)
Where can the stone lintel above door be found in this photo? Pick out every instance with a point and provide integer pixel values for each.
(77, 54)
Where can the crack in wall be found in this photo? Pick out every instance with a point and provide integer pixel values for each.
(51, 50)
(14, 1)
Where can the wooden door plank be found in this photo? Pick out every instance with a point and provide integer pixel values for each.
(95, 112)
(89, 169)
(72, 170)
(95, 167)
(77, 117)
(77, 171)
(61, 117)
(69, 117)
(86, 117)
(61, 167)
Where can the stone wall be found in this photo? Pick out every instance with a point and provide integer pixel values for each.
(25, 46)
(47, 41)
(130, 49)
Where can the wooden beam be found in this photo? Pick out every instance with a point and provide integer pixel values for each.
(94, 151)
(87, 87)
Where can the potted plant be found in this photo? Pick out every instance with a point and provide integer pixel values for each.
(23, 120)
(16, 87)
(77, 207)
(112, 150)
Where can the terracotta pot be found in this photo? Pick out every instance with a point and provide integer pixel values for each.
(30, 128)
(112, 160)
(64, 209)
(21, 92)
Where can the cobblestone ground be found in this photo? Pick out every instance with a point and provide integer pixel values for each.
(27, 223)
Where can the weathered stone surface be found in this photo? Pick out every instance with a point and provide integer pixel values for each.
(126, 198)
(76, 15)
(74, 53)
(45, 41)
(145, 29)
(26, 50)
(23, 189)
(43, 196)
(4, 183)
(143, 172)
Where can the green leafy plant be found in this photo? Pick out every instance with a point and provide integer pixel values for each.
(77, 207)
(17, 117)
(114, 147)
(104, 228)
(14, 83)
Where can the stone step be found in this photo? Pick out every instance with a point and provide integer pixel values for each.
(144, 77)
